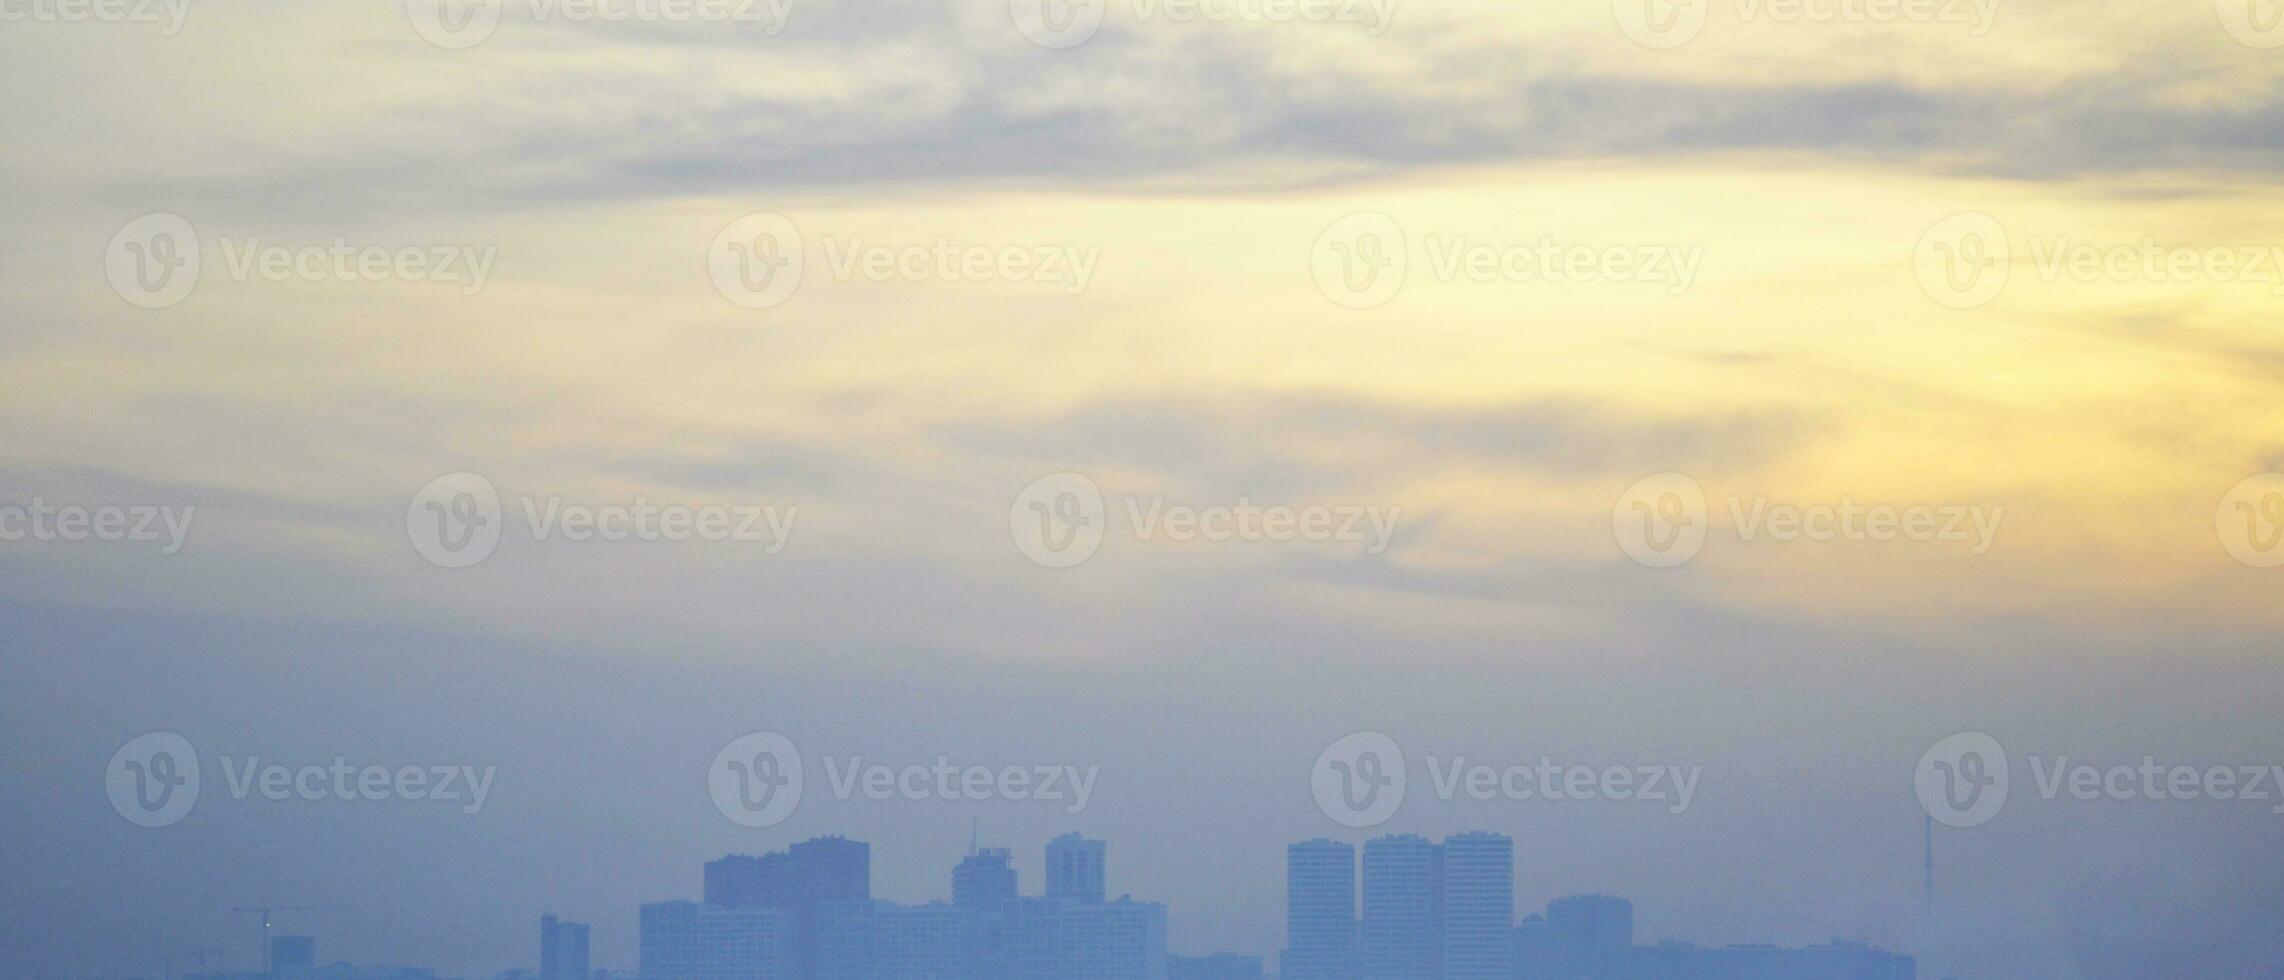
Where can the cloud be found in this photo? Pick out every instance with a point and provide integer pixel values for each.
(1329, 443)
(364, 116)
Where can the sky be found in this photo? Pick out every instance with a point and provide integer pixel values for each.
(1482, 284)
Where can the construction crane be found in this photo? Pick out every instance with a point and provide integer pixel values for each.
(267, 966)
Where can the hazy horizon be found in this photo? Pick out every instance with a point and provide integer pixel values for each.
(1725, 387)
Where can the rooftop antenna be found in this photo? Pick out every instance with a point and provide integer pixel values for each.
(975, 834)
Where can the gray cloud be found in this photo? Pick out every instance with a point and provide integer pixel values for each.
(1209, 112)
(1331, 443)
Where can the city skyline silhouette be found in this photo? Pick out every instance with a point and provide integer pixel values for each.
(1673, 488)
(1409, 909)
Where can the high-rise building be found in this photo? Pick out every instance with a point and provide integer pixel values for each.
(562, 949)
(292, 953)
(1538, 955)
(984, 879)
(919, 942)
(1400, 937)
(823, 869)
(741, 881)
(796, 880)
(1581, 935)
(1320, 912)
(1075, 869)
(825, 926)
(1121, 940)
(842, 941)
(1059, 939)
(690, 941)
(828, 869)
(1477, 906)
(1031, 940)
(819, 872)
(886, 941)
(983, 885)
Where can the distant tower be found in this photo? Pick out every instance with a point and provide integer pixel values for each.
(1402, 933)
(745, 881)
(1075, 869)
(1476, 903)
(828, 869)
(1320, 912)
(562, 949)
(550, 954)
(984, 879)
